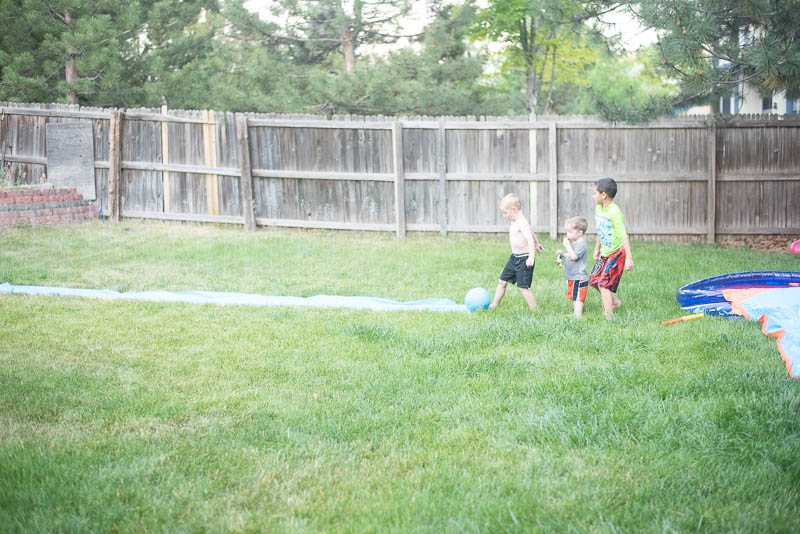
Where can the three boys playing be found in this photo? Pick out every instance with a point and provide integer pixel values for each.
(612, 252)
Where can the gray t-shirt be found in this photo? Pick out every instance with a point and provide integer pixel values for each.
(576, 270)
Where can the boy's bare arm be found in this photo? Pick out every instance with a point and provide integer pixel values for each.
(538, 246)
(597, 248)
(626, 244)
(570, 251)
(531, 239)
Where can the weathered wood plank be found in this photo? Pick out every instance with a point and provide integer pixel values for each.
(399, 185)
(115, 159)
(187, 217)
(711, 194)
(248, 210)
(441, 165)
(552, 143)
(165, 160)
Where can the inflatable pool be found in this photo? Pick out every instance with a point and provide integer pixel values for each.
(707, 296)
(771, 298)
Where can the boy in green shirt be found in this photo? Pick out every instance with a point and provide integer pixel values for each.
(612, 250)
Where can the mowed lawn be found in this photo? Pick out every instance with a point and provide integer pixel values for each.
(147, 417)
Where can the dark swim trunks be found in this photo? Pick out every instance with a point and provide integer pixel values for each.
(517, 272)
(607, 271)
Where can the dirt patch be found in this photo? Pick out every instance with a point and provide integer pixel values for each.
(768, 243)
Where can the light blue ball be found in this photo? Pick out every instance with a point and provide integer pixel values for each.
(477, 298)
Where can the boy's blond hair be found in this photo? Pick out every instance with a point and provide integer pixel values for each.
(579, 223)
(510, 201)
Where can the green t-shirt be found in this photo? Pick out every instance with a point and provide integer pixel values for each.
(610, 228)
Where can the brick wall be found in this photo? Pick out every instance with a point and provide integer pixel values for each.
(43, 206)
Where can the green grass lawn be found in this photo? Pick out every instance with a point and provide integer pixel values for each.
(131, 416)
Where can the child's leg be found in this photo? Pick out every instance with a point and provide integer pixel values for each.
(529, 298)
(610, 302)
(498, 293)
(576, 292)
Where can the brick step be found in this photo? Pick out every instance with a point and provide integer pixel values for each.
(38, 196)
(44, 206)
(37, 191)
(47, 216)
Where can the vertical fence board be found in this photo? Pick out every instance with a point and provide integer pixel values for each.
(165, 159)
(552, 142)
(711, 190)
(246, 177)
(115, 164)
(399, 186)
(441, 166)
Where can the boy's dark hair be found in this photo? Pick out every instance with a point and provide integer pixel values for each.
(607, 186)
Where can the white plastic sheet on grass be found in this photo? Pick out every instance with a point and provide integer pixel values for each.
(242, 299)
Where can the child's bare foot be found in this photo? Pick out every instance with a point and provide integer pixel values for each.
(616, 303)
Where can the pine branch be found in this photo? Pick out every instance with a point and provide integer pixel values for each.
(392, 36)
(55, 14)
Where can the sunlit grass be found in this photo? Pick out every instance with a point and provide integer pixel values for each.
(131, 416)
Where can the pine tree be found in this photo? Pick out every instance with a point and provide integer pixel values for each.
(442, 78)
(99, 53)
(712, 46)
(316, 29)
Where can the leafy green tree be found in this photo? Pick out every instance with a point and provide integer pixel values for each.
(620, 83)
(544, 39)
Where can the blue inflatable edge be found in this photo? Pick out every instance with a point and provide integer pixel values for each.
(705, 296)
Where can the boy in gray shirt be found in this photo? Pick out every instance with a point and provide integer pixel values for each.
(574, 257)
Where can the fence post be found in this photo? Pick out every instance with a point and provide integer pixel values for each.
(533, 199)
(165, 160)
(210, 158)
(246, 184)
(399, 181)
(553, 139)
(114, 164)
(711, 218)
(2, 142)
(441, 163)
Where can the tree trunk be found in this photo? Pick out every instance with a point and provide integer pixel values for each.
(552, 80)
(530, 91)
(349, 49)
(70, 69)
(71, 75)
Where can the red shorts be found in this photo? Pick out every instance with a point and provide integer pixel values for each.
(577, 289)
(607, 271)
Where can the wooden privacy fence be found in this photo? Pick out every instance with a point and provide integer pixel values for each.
(677, 177)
